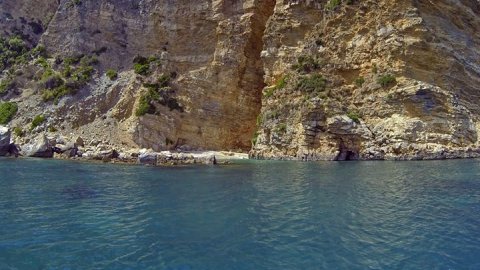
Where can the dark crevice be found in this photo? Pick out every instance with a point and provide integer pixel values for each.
(263, 10)
(347, 152)
(252, 80)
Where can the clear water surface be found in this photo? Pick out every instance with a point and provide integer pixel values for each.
(250, 215)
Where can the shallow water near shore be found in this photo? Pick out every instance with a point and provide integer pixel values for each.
(249, 215)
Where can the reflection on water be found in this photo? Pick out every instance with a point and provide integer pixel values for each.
(250, 215)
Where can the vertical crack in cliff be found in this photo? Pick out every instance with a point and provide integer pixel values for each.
(252, 80)
(51, 17)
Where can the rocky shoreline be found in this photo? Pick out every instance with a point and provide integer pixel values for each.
(74, 148)
(60, 147)
(415, 152)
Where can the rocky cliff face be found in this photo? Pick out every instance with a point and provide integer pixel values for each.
(371, 80)
(209, 50)
(390, 79)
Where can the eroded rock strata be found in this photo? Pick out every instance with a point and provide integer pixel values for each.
(308, 80)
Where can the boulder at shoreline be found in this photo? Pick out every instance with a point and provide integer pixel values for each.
(4, 140)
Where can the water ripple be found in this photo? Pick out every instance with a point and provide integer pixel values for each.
(252, 215)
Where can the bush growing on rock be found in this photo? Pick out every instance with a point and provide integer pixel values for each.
(72, 60)
(7, 112)
(52, 129)
(162, 84)
(280, 84)
(39, 51)
(37, 121)
(152, 59)
(306, 64)
(76, 71)
(47, 72)
(315, 83)
(54, 87)
(5, 85)
(112, 74)
(255, 138)
(163, 81)
(160, 92)
(67, 71)
(332, 4)
(53, 81)
(83, 74)
(16, 44)
(386, 80)
(41, 61)
(354, 116)
(359, 81)
(56, 93)
(18, 131)
(142, 64)
(13, 50)
(145, 104)
(142, 69)
(88, 60)
(281, 128)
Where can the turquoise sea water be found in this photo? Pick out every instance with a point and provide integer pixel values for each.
(250, 215)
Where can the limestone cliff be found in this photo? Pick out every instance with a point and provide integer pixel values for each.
(209, 50)
(297, 79)
(387, 79)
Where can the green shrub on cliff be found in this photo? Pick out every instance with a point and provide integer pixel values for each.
(38, 120)
(83, 74)
(306, 64)
(281, 128)
(112, 74)
(141, 69)
(56, 93)
(7, 112)
(18, 131)
(255, 138)
(354, 116)
(72, 60)
(13, 50)
(16, 44)
(160, 92)
(141, 65)
(39, 51)
(386, 80)
(145, 106)
(5, 85)
(164, 81)
(72, 73)
(331, 4)
(315, 83)
(280, 84)
(359, 81)
(41, 61)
